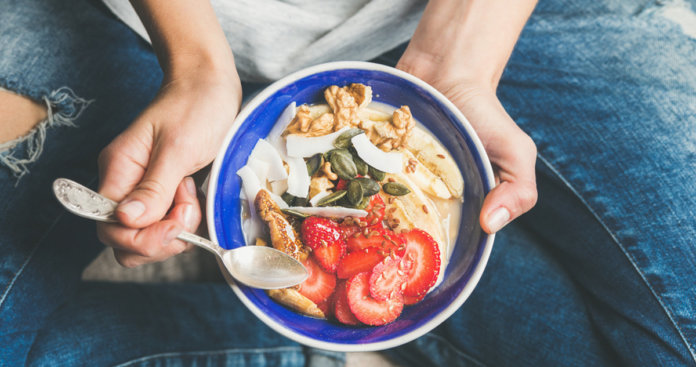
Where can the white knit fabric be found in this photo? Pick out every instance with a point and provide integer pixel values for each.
(272, 38)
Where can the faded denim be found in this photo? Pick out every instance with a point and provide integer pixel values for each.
(601, 272)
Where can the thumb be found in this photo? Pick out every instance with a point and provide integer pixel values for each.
(153, 195)
(506, 202)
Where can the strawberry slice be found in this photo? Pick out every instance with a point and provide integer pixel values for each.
(341, 309)
(410, 300)
(424, 253)
(387, 277)
(367, 309)
(357, 262)
(381, 238)
(319, 232)
(341, 184)
(375, 211)
(319, 285)
(326, 306)
(326, 241)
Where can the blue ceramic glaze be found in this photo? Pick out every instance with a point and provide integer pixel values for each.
(394, 88)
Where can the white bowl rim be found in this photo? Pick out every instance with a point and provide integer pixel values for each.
(212, 186)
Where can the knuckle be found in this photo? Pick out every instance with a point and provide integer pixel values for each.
(527, 196)
(152, 188)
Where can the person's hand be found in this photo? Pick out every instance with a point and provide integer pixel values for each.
(512, 152)
(145, 168)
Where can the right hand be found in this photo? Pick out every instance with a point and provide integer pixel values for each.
(145, 168)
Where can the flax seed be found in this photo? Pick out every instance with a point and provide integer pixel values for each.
(391, 179)
(390, 200)
(441, 156)
(374, 221)
(373, 233)
(425, 209)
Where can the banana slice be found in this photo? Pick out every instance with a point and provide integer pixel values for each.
(293, 299)
(425, 179)
(436, 158)
(419, 211)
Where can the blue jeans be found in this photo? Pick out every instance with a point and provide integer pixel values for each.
(601, 272)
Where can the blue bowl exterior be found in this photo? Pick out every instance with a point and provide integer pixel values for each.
(394, 91)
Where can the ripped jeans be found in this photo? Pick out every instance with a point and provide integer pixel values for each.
(601, 272)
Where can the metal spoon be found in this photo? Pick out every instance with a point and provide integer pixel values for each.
(256, 266)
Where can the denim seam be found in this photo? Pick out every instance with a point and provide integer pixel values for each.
(26, 262)
(210, 353)
(624, 251)
(455, 349)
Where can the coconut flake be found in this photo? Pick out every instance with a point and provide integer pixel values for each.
(283, 121)
(330, 211)
(389, 162)
(302, 146)
(265, 152)
(260, 168)
(315, 199)
(251, 186)
(298, 178)
(279, 187)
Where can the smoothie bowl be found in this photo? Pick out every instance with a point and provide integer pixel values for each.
(374, 181)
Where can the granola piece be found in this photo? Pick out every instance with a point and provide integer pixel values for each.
(361, 93)
(296, 301)
(319, 184)
(343, 105)
(284, 237)
(301, 122)
(322, 125)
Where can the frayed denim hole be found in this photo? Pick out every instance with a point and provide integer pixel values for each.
(63, 107)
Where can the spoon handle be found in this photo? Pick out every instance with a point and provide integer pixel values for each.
(86, 203)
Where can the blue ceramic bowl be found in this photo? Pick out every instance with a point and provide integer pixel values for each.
(428, 106)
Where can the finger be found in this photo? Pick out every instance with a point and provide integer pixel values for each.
(153, 195)
(516, 191)
(122, 164)
(154, 243)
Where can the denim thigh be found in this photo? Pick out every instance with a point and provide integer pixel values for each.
(603, 270)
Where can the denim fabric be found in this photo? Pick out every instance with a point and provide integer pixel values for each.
(601, 272)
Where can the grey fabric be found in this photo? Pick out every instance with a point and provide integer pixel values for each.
(272, 38)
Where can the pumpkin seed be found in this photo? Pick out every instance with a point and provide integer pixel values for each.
(288, 198)
(295, 213)
(343, 140)
(332, 198)
(369, 186)
(300, 202)
(363, 203)
(332, 152)
(395, 189)
(360, 165)
(314, 162)
(376, 174)
(343, 166)
(355, 192)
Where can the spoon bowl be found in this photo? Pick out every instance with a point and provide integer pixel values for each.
(256, 266)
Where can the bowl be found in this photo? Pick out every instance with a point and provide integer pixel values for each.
(441, 117)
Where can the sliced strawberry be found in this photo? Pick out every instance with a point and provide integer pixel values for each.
(411, 300)
(381, 238)
(387, 277)
(423, 251)
(357, 262)
(319, 232)
(330, 256)
(341, 184)
(375, 211)
(341, 309)
(349, 230)
(326, 306)
(326, 241)
(319, 285)
(367, 309)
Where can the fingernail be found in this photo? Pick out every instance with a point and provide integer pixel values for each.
(171, 235)
(498, 219)
(188, 217)
(190, 185)
(133, 209)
